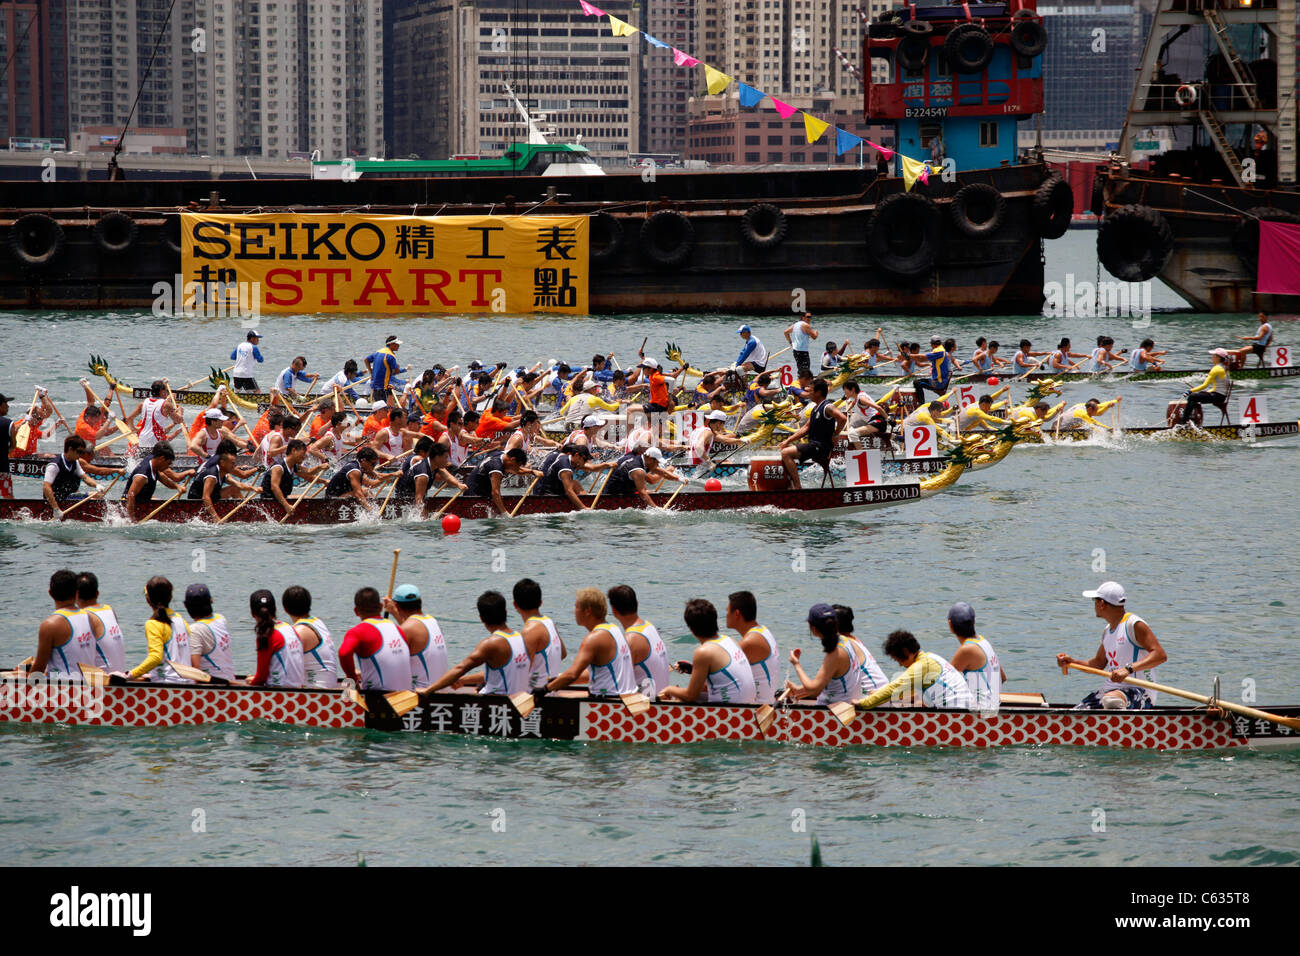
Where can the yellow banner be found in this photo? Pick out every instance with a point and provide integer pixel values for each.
(339, 263)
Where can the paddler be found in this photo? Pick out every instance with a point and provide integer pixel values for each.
(354, 476)
(155, 412)
(347, 378)
(929, 415)
(278, 481)
(928, 681)
(528, 434)
(424, 638)
(1059, 361)
(7, 429)
(246, 357)
(64, 475)
(67, 638)
(390, 441)
(144, 480)
(979, 416)
(503, 654)
(1023, 361)
(872, 675)
(1085, 415)
(210, 645)
(93, 423)
(603, 651)
(633, 470)
(110, 647)
(215, 479)
(589, 434)
(383, 658)
(712, 432)
(166, 635)
(496, 419)
(413, 483)
(757, 643)
(485, 480)
(822, 428)
(541, 636)
(976, 660)
(720, 671)
(649, 653)
(1103, 358)
(840, 676)
(1212, 391)
(558, 473)
(586, 404)
(320, 659)
(1145, 357)
(279, 650)
(866, 417)
(204, 443)
(1128, 648)
(330, 446)
(295, 373)
(873, 355)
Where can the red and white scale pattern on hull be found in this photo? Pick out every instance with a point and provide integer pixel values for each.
(167, 707)
(889, 728)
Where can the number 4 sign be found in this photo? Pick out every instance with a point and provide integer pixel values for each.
(862, 468)
(919, 441)
(1255, 411)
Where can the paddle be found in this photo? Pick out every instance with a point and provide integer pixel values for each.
(523, 703)
(767, 713)
(636, 703)
(62, 421)
(25, 429)
(92, 675)
(844, 712)
(179, 492)
(351, 694)
(392, 577)
(396, 479)
(256, 491)
(520, 503)
(402, 701)
(93, 494)
(195, 674)
(601, 490)
(303, 496)
(459, 492)
(1292, 722)
(190, 385)
(673, 497)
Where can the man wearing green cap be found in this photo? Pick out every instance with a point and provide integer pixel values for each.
(422, 633)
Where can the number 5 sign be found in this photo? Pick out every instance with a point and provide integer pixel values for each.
(919, 441)
(862, 468)
(1255, 411)
(967, 395)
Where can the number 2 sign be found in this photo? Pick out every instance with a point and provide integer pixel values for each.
(1255, 411)
(862, 468)
(919, 441)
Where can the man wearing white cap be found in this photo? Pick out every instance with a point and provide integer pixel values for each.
(704, 437)
(585, 404)
(1213, 391)
(633, 469)
(1128, 648)
(246, 357)
(753, 356)
(204, 444)
(588, 436)
(383, 368)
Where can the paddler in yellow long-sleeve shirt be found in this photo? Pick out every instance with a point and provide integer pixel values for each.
(926, 415)
(980, 417)
(1086, 414)
(1213, 391)
(582, 405)
(929, 681)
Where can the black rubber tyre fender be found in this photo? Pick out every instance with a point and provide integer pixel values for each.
(667, 238)
(171, 235)
(968, 47)
(1097, 201)
(905, 235)
(763, 226)
(36, 240)
(1053, 206)
(1245, 238)
(606, 237)
(918, 27)
(912, 52)
(1134, 243)
(886, 30)
(115, 233)
(977, 210)
(1028, 37)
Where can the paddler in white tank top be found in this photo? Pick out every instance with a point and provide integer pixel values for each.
(872, 674)
(110, 647)
(502, 655)
(66, 639)
(720, 672)
(839, 677)
(210, 646)
(758, 644)
(976, 660)
(604, 651)
(320, 659)
(1128, 649)
(540, 634)
(649, 653)
(424, 638)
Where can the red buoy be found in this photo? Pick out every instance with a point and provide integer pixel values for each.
(713, 485)
(450, 524)
(993, 380)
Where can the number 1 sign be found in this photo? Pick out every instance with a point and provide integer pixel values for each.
(862, 468)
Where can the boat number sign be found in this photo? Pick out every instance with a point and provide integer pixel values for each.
(919, 441)
(862, 468)
(1279, 357)
(344, 263)
(1254, 411)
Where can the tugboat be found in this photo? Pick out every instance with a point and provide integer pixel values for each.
(961, 78)
(1192, 219)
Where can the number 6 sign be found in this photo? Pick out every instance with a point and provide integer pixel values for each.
(919, 441)
(862, 468)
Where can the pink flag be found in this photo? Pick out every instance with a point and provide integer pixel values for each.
(683, 59)
(887, 153)
(785, 109)
(589, 10)
(924, 176)
(1279, 258)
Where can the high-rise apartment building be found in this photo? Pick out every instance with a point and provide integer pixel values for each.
(34, 92)
(666, 88)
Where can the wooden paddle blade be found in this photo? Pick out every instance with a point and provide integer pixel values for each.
(351, 694)
(844, 712)
(764, 717)
(92, 675)
(1024, 700)
(402, 701)
(195, 674)
(523, 703)
(636, 703)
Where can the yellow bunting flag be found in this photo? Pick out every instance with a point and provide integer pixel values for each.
(912, 169)
(715, 80)
(813, 127)
(621, 29)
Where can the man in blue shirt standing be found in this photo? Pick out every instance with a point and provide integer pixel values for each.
(383, 368)
(940, 363)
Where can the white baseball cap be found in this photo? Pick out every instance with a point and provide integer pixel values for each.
(651, 363)
(591, 386)
(592, 421)
(654, 453)
(1110, 592)
(214, 413)
(716, 416)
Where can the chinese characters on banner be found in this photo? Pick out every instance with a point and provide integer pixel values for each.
(395, 264)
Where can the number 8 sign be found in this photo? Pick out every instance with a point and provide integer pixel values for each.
(919, 441)
(862, 468)
(1279, 357)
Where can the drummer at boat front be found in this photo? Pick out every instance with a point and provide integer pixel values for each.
(1260, 341)
(1145, 358)
(720, 671)
(822, 429)
(1128, 648)
(1213, 391)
